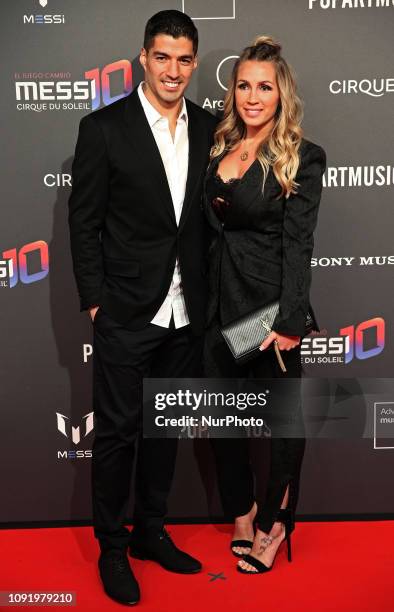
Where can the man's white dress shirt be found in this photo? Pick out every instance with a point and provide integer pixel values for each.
(175, 157)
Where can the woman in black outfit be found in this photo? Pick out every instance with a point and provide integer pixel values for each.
(262, 193)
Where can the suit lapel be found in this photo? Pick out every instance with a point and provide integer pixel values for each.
(211, 216)
(144, 144)
(197, 156)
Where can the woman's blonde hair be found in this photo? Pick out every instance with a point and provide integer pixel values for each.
(280, 149)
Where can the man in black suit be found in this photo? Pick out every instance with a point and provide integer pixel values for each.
(137, 240)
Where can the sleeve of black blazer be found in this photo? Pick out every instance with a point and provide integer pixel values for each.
(300, 219)
(87, 206)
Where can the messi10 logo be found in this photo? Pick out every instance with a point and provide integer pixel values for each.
(16, 264)
(100, 85)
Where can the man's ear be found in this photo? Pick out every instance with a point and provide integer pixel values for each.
(195, 62)
(143, 55)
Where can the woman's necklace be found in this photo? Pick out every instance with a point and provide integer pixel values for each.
(245, 154)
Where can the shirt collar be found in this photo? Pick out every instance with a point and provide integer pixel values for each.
(153, 115)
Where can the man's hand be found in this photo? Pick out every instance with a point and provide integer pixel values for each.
(93, 311)
(285, 343)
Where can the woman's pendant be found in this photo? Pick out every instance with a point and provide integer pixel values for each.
(244, 156)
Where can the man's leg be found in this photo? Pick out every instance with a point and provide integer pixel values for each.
(121, 359)
(179, 356)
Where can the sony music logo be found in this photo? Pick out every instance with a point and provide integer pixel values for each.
(332, 262)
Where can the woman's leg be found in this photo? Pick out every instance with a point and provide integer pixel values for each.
(235, 476)
(286, 459)
(286, 453)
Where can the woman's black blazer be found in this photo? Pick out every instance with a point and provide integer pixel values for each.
(262, 252)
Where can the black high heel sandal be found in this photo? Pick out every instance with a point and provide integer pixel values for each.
(285, 516)
(240, 543)
(243, 543)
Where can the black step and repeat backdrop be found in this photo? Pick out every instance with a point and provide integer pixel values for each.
(61, 59)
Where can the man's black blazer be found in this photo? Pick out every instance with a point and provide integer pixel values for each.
(262, 253)
(124, 236)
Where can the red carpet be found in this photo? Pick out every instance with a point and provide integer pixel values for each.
(336, 567)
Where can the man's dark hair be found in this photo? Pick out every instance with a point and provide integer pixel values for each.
(173, 23)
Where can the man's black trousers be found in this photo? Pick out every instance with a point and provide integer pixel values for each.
(121, 359)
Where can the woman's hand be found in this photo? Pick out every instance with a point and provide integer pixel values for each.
(285, 343)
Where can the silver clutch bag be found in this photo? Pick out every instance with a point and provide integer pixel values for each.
(245, 335)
